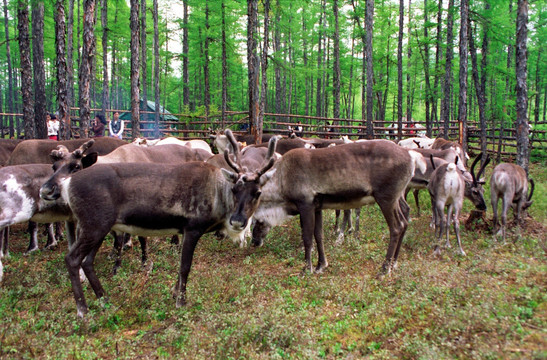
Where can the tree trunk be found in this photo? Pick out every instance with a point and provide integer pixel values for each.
(522, 89)
(336, 66)
(86, 60)
(113, 70)
(253, 70)
(264, 61)
(462, 108)
(156, 73)
(207, 99)
(369, 26)
(104, 23)
(135, 51)
(144, 67)
(400, 72)
(438, 55)
(409, 57)
(62, 72)
(318, 98)
(26, 69)
(10, 94)
(225, 64)
(185, 74)
(70, 57)
(428, 97)
(478, 89)
(40, 111)
(447, 82)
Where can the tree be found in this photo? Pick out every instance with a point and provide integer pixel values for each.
(156, 72)
(462, 109)
(40, 111)
(62, 72)
(143, 55)
(10, 70)
(104, 23)
(185, 76)
(26, 69)
(336, 67)
(400, 72)
(369, 26)
(264, 61)
(447, 82)
(135, 50)
(253, 70)
(86, 61)
(521, 87)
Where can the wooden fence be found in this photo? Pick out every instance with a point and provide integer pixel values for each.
(499, 141)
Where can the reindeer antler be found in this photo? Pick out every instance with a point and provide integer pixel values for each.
(237, 155)
(473, 168)
(59, 153)
(79, 152)
(270, 156)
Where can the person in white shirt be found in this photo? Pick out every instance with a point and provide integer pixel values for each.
(115, 126)
(52, 127)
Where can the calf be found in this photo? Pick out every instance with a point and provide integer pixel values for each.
(447, 187)
(443, 144)
(155, 199)
(510, 183)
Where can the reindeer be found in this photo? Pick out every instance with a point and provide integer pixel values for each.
(155, 199)
(447, 187)
(510, 183)
(304, 182)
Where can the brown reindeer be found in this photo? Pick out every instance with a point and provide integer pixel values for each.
(155, 199)
(305, 182)
(510, 183)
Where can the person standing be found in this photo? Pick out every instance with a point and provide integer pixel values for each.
(115, 126)
(52, 127)
(99, 125)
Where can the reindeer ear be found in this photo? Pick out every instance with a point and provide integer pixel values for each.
(89, 159)
(229, 175)
(267, 176)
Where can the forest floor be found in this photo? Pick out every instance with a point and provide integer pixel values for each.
(253, 303)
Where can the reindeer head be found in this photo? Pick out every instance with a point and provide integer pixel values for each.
(473, 187)
(66, 163)
(247, 186)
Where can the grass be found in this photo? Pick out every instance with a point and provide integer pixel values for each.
(253, 303)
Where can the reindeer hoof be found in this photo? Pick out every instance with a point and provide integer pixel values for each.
(52, 246)
(30, 251)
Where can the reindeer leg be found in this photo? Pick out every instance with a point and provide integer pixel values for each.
(506, 202)
(337, 221)
(391, 210)
(416, 194)
(89, 270)
(404, 223)
(189, 243)
(318, 233)
(117, 250)
(341, 229)
(448, 222)
(494, 203)
(144, 254)
(4, 243)
(307, 223)
(357, 216)
(33, 231)
(457, 230)
(70, 233)
(51, 240)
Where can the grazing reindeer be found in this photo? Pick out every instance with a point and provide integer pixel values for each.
(510, 183)
(447, 187)
(155, 199)
(341, 177)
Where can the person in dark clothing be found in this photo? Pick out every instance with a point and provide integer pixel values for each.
(99, 125)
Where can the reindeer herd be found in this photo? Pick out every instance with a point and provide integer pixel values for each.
(169, 187)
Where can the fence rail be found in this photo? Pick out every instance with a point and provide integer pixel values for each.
(498, 140)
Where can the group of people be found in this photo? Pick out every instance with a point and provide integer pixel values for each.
(115, 126)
